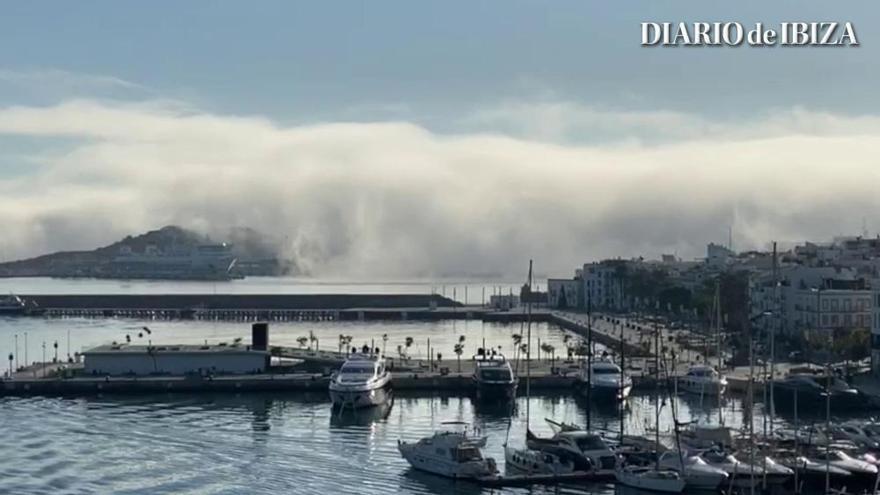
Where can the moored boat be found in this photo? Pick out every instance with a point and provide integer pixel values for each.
(453, 454)
(604, 381)
(494, 378)
(655, 480)
(362, 381)
(702, 379)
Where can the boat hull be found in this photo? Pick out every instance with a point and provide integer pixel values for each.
(605, 393)
(444, 467)
(643, 482)
(495, 391)
(360, 398)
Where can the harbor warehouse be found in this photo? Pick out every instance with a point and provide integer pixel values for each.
(124, 359)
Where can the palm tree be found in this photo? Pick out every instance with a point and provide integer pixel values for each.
(408, 343)
(302, 341)
(314, 339)
(384, 341)
(566, 339)
(459, 349)
(341, 342)
(548, 349)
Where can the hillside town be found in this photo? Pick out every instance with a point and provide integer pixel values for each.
(822, 300)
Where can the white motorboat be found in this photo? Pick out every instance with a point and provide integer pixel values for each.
(854, 433)
(605, 381)
(698, 436)
(809, 467)
(454, 454)
(697, 473)
(702, 379)
(667, 481)
(842, 460)
(773, 472)
(362, 381)
(587, 450)
(731, 465)
(494, 378)
(536, 462)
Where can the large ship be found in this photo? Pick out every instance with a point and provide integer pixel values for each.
(202, 262)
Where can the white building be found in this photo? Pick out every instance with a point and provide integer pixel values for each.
(603, 286)
(563, 293)
(124, 359)
(718, 256)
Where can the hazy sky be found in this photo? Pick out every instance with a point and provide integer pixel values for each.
(416, 138)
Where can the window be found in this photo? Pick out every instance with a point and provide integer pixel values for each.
(834, 305)
(847, 304)
(834, 320)
(824, 320)
(825, 304)
(847, 320)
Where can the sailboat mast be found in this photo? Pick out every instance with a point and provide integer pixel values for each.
(529, 347)
(657, 385)
(717, 304)
(589, 361)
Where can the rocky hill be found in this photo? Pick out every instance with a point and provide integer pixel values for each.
(254, 254)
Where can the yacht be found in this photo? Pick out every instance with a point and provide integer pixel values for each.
(587, 450)
(810, 391)
(494, 378)
(363, 381)
(536, 462)
(859, 468)
(12, 305)
(811, 469)
(454, 454)
(697, 436)
(649, 479)
(703, 380)
(731, 465)
(605, 381)
(698, 474)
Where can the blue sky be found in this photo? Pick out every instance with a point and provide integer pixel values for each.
(306, 61)
(446, 136)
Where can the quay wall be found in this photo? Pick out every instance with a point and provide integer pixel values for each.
(431, 382)
(236, 301)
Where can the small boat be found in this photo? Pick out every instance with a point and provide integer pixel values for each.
(666, 481)
(494, 378)
(604, 381)
(586, 450)
(453, 454)
(12, 305)
(362, 381)
(702, 379)
(536, 462)
(697, 473)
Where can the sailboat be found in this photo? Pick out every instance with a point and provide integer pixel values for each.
(652, 478)
(526, 459)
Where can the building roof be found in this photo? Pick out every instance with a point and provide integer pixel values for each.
(173, 349)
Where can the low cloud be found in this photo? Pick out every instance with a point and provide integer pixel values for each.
(395, 199)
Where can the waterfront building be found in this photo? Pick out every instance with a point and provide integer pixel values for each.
(142, 360)
(875, 326)
(563, 293)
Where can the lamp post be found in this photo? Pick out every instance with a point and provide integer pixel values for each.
(16, 352)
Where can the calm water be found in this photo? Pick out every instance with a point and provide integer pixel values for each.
(467, 291)
(261, 443)
(86, 333)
